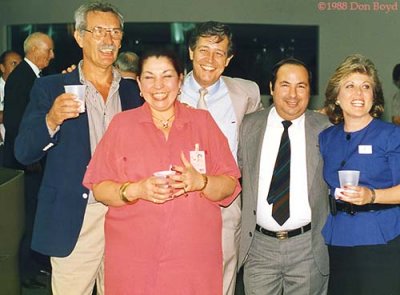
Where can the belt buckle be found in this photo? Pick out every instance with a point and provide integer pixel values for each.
(282, 235)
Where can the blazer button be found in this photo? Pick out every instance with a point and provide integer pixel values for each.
(250, 234)
(85, 195)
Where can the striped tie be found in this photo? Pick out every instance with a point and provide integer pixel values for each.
(280, 182)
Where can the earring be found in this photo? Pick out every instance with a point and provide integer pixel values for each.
(140, 94)
(337, 102)
(179, 92)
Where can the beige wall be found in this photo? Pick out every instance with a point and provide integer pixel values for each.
(373, 33)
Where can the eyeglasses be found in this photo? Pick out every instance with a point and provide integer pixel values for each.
(100, 32)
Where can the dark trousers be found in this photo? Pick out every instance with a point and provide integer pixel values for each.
(365, 270)
(30, 261)
(1, 155)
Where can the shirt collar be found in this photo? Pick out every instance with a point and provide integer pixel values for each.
(277, 120)
(211, 89)
(181, 116)
(116, 75)
(34, 67)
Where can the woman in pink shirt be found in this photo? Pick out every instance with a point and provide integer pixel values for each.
(163, 235)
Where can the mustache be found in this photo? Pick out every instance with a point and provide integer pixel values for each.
(107, 47)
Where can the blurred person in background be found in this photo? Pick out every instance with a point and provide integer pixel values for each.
(127, 65)
(8, 61)
(39, 51)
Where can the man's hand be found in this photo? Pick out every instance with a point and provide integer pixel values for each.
(65, 106)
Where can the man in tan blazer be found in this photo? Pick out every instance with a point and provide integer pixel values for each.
(228, 100)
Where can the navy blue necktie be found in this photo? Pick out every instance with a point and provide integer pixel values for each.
(280, 183)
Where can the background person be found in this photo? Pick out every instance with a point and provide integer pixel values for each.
(127, 64)
(69, 224)
(363, 229)
(8, 61)
(168, 239)
(396, 97)
(39, 51)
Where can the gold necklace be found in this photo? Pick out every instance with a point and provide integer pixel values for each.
(164, 123)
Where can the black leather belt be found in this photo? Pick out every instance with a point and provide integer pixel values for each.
(283, 235)
(352, 209)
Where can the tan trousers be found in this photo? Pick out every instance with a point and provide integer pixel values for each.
(230, 244)
(77, 273)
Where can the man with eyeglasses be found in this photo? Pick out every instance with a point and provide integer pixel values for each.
(69, 224)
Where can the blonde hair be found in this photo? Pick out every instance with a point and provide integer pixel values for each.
(355, 63)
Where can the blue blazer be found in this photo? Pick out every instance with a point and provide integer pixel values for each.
(62, 198)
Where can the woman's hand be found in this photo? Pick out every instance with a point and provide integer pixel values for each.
(357, 195)
(187, 179)
(153, 189)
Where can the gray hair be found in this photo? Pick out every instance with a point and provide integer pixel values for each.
(128, 61)
(84, 9)
(33, 40)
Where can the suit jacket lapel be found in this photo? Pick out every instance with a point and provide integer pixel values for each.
(253, 150)
(236, 95)
(312, 147)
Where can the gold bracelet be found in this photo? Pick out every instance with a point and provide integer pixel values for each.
(122, 192)
(373, 196)
(205, 179)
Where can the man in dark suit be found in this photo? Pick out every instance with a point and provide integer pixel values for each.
(69, 224)
(38, 48)
(8, 61)
(284, 256)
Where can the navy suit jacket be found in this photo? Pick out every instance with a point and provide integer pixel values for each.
(62, 198)
(17, 89)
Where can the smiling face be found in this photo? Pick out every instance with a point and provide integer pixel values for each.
(159, 83)
(291, 91)
(356, 96)
(210, 58)
(99, 53)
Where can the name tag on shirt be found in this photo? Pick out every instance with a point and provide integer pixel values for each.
(365, 149)
(198, 159)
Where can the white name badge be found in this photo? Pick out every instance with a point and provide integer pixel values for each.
(365, 149)
(198, 159)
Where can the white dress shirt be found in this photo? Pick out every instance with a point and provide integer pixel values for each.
(300, 211)
(2, 130)
(34, 67)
